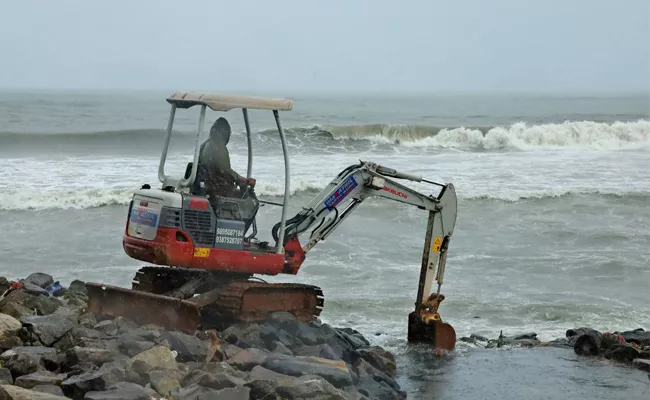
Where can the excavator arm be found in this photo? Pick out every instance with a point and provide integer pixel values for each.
(348, 190)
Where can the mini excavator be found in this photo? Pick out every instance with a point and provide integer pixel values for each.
(204, 260)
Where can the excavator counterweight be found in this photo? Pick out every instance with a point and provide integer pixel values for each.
(204, 261)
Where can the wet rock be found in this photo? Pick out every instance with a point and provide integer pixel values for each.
(214, 380)
(51, 389)
(335, 372)
(236, 393)
(33, 289)
(95, 356)
(27, 359)
(588, 343)
(375, 382)
(230, 350)
(40, 279)
(9, 326)
(10, 392)
(576, 332)
(381, 359)
(271, 334)
(246, 359)
(638, 336)
(107, 327)
(5, 377)
(310, 387)
(150, 333)
(87, 320)
(189, 348)
(77, 286)
(131, 347)
(164, 382)
(39, 378)
(78, 385)
(158, 357)
(622, 353)
(47, 329)
(642, 364)
(278, 347)
(119, 391)
(194, 392)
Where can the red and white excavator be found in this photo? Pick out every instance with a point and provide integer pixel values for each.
(204, 258)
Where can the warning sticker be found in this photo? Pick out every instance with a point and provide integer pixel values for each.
(436, 245)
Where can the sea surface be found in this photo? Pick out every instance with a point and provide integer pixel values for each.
(552, 230)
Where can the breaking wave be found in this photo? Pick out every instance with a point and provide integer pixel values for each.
(24, 200)
(518, 136)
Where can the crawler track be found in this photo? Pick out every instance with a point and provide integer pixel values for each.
(164, 296)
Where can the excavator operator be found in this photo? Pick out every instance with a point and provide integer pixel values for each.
(214, 164)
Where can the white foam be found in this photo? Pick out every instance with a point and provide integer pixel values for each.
(519, 136)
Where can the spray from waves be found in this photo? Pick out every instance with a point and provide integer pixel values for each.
(34, 200)
(519, 136)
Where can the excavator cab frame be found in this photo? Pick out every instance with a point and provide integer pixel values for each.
(224, 103)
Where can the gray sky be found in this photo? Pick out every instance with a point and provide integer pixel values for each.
(416, 45)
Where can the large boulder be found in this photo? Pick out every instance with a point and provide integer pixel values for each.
(335, 372)
(188, 347)
(47, 329)
(39, 378)
(119, 391)
(10, 392)
(39, 279)
(159, 357)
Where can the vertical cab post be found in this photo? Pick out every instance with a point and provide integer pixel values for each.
(163, 156)
(249, 170)
(285, 203)
(195, 167)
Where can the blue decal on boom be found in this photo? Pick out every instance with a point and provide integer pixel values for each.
(144, 217)
(340, 193)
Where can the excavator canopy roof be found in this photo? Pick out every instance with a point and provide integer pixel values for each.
(226, 102)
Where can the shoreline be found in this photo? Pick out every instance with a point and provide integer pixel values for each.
(51, 348)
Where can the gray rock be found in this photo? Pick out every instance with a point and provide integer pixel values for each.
(229, 350)
(310, 387)
(371, 379)
(379, 358)
(21, 364)
(87, 320)
(48, 329)
(51, 389)
(131, 347)
(78, 385)
(33, 289)
(39, 378)
(40, 279)
(77, 286)
(91, 355)
(246, 359)
(164, 382)
(5, 377)
(107, 327)
(194, 392)
(278, 347)
(158, 357)
(263, 382)
(335, 372)
(235, 393)
(244, 335)
(638, 336)
(9, 326)
(119, 391)
(10, 392)
(189, 348)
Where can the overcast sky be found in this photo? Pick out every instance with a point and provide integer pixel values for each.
(423, 45)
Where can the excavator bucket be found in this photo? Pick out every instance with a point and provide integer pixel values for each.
(143, 307)
(440, 335)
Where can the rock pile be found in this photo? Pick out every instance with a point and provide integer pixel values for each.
(51, 348)
(629, 347)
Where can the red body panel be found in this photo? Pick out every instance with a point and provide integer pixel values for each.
(166, 249)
